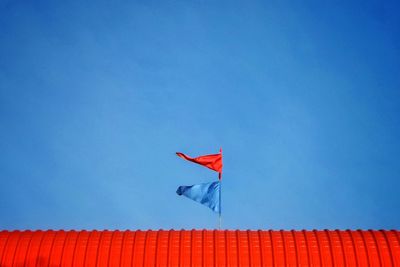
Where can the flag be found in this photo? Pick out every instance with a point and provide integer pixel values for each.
(207, 194)
(213, 161)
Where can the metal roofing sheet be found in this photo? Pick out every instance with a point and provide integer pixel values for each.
(200, 248)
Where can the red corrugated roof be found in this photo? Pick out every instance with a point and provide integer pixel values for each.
(200, 248)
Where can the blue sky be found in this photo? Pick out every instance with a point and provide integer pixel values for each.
(97, 96)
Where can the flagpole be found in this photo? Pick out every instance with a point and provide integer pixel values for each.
(220, 192)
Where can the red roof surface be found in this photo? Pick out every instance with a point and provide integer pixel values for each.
(202, 248)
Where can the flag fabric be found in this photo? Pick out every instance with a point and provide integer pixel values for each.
(207, 194)
(213, 161)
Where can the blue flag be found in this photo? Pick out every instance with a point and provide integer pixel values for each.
(207, 194)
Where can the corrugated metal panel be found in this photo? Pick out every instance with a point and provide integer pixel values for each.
(199, 248)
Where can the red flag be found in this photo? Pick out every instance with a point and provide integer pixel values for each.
(213, 161)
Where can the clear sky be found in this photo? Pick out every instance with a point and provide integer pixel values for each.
(97, 96)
